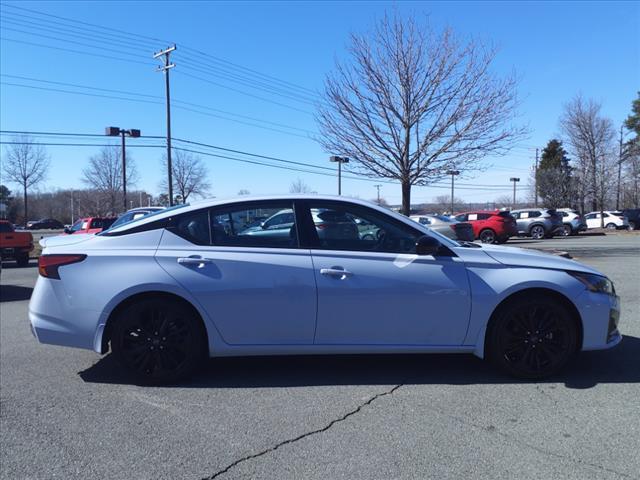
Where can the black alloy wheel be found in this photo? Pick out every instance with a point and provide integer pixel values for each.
(158, 340)
(537, 232)
(487, 236)
(566, 230)
(533, 338)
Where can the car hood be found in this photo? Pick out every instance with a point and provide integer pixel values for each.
(524, 257)
(61, 240)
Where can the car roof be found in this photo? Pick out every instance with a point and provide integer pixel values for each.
(216, 202)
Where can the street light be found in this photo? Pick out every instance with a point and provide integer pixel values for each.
(114, 132)
(514, 180)
(340, 161)
(453, 173)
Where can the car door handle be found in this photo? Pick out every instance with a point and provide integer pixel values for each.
(199, 261)
(340, 273)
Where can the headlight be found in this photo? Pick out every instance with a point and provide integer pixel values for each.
(594, 283)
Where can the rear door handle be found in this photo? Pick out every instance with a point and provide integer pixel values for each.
(194, 260)
(336, 272)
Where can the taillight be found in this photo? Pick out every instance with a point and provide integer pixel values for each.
(48, 265)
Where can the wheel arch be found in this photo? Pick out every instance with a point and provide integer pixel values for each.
(485, 334)
(136, 297)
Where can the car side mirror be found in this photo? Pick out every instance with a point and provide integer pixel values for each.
(426, 245)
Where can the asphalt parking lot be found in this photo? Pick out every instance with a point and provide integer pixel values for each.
(70, 414)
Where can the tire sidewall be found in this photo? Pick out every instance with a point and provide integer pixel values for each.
(489, 234)
(534, 230)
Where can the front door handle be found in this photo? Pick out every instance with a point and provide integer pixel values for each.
(336, 272)
(194, 260)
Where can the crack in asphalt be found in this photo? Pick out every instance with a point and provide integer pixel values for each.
(304, 435)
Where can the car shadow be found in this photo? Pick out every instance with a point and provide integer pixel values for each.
(588, 369)
(9, 265)
(14, 293)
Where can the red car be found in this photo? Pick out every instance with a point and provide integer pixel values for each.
(90, 225)
(490, 226)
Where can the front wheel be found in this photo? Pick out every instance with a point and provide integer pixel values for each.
(537, 232)
(610, 226)
(158, 340)
(566, 231)
(532, 338)
(487, 236)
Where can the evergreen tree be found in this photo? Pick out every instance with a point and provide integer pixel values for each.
(554, 176)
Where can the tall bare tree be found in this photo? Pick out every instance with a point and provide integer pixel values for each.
(26, 164)
(415, 103)
(298, 186)
(104, 174)
(591, 137)
(189, 175)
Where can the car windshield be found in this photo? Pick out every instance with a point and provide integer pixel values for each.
(137, 219)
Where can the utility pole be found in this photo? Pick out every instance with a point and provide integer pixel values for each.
(115, 132)
(453, 174)
(340, 161)
(535, 181)
(165, 68)
(378, 188)
(514, 180)
(71, 207)
(619, 171)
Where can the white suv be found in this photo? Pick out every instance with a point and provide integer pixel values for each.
(612, 220)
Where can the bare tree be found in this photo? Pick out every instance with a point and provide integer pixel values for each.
(298, 186)
(26, 164)
(591, 137)
(104, 174)
(415, 103)
(244, 191)
(189, 175)
(443, 203)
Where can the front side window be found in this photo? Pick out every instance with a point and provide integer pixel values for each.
(353, 227)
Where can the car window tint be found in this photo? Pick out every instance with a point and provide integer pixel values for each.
(5, 228)
(263, 224)
(484, 216)
(535, 213)
(194, 226)
(358, 228)
(462, 217)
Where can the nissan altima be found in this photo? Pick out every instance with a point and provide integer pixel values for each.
(167, 290)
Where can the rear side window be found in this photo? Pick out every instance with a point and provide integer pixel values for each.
(535, 213)
(262, 224)
(194, 226)
(462, 217)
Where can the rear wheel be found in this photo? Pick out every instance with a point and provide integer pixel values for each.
(487, 236)
(566, 230)
(23, 260)
(632, 225)
(158, 340)
(532, 338)
(610, 226)
(537, 232)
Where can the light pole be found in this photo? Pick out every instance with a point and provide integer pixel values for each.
(453, 173)
(514, 180)
(340, 161)
(378, 188)
(114, 132)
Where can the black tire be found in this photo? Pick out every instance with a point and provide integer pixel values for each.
(532, 337)
(487, 236)
(501, 240)
(610, 226)
(566, 231)
(632, 225)
(158, 340)
(23, 260)
(537, 232)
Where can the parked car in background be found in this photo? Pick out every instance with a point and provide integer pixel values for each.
(633, 217)
(90, 225)
(490, 226)
(612, 220)
(15, 245)
(538, 223)
(45, 224)
(185, 297)
(447, 226)
(134, 214)
(572, 221)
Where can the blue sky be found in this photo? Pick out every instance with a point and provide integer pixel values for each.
(558, 49)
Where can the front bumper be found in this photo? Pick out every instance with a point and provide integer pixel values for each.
(600, 318)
